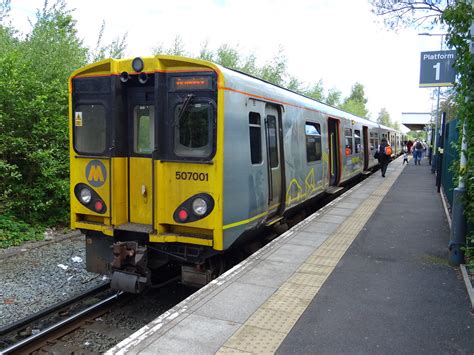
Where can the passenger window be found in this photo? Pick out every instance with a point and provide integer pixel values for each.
(357, 141)
(193, 135)
(255, 132)
(348, 141)
(313, 141)
(90, 129)
(372, 141)
(144, 129)
(376, 136)
(272, 141)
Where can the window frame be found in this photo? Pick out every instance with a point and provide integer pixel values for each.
(212, 118)
(277, 148)
(136, 131)
(255, 126)
(107, 127)
(346, 136)
(357, 146)
(316, 143)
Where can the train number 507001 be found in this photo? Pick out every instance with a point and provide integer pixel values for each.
(189, 175)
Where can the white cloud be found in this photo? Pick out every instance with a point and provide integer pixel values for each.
(337, 41)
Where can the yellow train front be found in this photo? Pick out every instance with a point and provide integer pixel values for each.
(138, 181)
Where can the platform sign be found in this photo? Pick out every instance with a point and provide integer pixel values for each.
(437, 69)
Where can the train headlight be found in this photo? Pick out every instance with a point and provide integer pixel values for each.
(137, 64)
(199, 206)
(85, 196)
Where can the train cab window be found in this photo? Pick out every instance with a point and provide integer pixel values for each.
(193, 130)
(313, 141)
(272, 141)
(255, 131)
(144, 132)
(357, 147)
(90, 129)
(348, 141)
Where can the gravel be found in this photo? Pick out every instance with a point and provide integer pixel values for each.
(38, 275)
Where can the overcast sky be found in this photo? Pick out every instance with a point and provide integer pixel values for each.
(338, 41)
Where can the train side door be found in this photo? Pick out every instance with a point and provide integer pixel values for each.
(334, 152)
(273, 144)
(141, 128)
(365, 137)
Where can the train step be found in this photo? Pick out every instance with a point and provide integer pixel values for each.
(333, 189)
(136, 227)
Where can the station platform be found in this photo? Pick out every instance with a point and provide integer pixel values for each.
(368, 273)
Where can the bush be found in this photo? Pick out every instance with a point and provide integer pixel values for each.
(15, 232)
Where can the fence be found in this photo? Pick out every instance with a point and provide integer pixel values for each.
(450, 138)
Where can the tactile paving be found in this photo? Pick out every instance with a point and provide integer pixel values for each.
(256, 340)
(271, 319)
(303, 278)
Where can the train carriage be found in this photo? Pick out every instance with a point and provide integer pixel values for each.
(176, 160)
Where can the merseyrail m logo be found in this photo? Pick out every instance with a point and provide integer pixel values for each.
(96, 174)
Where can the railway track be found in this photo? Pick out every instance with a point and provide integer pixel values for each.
(55, 331)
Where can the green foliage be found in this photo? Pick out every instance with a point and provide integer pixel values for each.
(334, 97)
(34, 162)
(356, 101)
(115, 49)
(384, 117)
(316, 91)
(459, 17)
(14, 232)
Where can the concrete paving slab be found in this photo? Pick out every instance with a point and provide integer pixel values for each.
(291, 254)
(194, 335)
(339, 211)
(321, 227)
(307, 238)
(331, 218)
(269, 274)
(346, 204)
(236, 303)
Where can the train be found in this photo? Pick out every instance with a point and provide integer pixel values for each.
(177, 161)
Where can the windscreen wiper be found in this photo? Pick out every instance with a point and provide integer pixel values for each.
(184, 108)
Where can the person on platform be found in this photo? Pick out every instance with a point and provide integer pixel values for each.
(383, 158)
(417, 152)
(409, 146)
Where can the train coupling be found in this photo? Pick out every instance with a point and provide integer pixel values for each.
(129, 267)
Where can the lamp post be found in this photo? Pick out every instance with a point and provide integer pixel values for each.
(434, 145)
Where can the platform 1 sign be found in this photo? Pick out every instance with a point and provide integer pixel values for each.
(437, 69)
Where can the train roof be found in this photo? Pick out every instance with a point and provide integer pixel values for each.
(310, 102)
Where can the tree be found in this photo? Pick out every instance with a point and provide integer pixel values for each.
(334, 97)
(4, 9)
(356, 101)
(115, 49)
(410, 13)
(316, 91)
(384, 117)
(34, 115)
(274, 71)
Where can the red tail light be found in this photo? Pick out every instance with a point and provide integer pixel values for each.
(183, 215)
